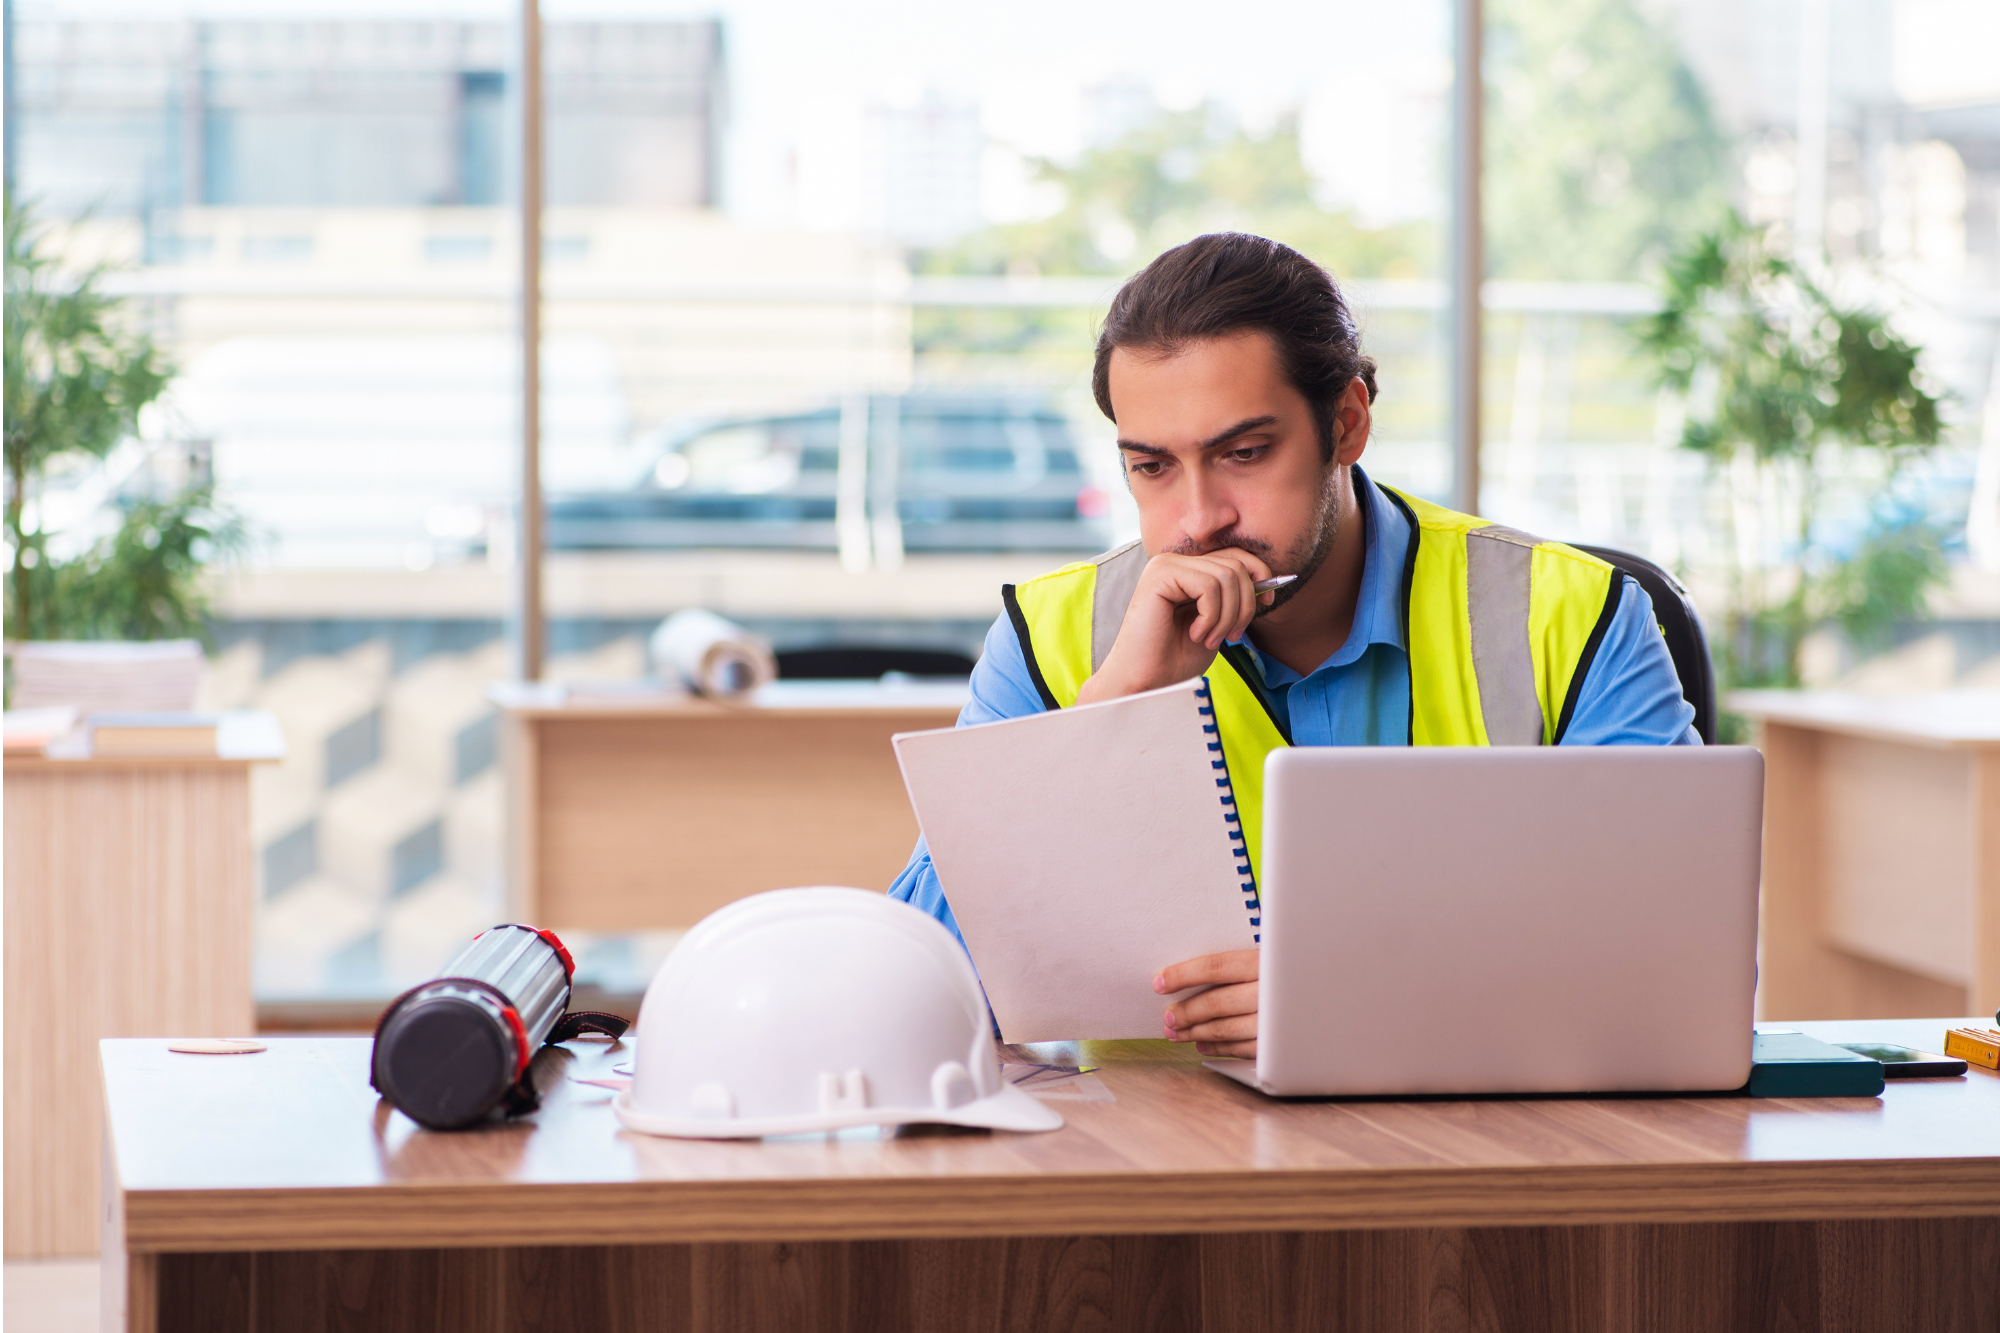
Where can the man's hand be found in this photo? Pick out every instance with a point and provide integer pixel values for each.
(1184, 609)
(1219, 1021)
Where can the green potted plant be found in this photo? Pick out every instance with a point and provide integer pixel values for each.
(1776, 375)
(78, 373)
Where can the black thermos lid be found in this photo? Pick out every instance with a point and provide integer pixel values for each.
(445, 1060)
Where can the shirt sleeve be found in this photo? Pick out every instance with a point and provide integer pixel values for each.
(1001, 685)
(1001, 688)
(1632, 694)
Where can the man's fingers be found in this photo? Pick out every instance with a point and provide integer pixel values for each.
(1236, 1027)
(1219, 1002)
(1235, 587)
(1207, 598)
(1223, 589)
(1241, 558)
(1242, 601)
(1222, 621)
(1215, 969)
(1208, 613)
(1239, 1050)
(1219, 587)
(1241, 1027)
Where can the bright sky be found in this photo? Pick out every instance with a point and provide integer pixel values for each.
(1029, 63)
(1367, 76)
(1947, 50)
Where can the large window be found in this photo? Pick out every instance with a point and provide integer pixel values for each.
(821, 284)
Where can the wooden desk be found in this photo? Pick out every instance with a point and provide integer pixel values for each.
(273, 1191)
(628, 815)
(1881, 853)
(130, 902)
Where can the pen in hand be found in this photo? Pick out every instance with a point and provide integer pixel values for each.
(1265, 585)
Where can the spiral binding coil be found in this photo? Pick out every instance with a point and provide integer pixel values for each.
(1239, 849)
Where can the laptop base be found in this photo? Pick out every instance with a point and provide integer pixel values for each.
(1243, 1071)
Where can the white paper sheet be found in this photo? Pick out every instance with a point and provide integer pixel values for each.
(1081, 850)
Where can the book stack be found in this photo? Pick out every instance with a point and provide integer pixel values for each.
(107, 677)
(30, 730)
(152, 735)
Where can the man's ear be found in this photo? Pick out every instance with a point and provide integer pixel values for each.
(1353, 420)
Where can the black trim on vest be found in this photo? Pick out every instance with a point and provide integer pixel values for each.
(1590, 647)
(1409, 585)
(1239, 657)
(1027, 646)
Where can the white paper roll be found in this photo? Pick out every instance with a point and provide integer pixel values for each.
(711, 655)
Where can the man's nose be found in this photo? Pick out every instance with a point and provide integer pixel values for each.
(1208, 513)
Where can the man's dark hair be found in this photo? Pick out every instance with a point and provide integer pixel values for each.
(1227, 283)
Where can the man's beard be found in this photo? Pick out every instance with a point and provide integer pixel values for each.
(1304, 558)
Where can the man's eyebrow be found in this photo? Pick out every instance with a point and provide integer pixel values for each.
(1241, 428)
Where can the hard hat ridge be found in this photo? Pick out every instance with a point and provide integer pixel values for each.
(814, 1009)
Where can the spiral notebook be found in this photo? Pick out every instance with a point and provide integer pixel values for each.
(1082, 850)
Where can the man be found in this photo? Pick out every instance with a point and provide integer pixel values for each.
(1234, 373)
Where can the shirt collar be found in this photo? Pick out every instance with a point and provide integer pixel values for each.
(1378, 613)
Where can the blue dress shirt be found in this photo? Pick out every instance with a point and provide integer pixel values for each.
(1361, 695)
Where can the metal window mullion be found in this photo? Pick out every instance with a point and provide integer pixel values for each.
(1468, 261)
(885, 474)
(529, 546)
(850, 500)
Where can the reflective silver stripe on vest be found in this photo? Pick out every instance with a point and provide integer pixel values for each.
(1117, 579)
(1496, 584)
(1497, 580)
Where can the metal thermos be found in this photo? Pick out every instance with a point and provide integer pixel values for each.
(451, 1050)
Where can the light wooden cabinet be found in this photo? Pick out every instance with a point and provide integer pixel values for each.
(1881, 853)
(130, 908)
(650, 815)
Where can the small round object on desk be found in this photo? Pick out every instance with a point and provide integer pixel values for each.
(216, 1046)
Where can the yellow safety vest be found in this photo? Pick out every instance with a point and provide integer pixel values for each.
(1500, 627)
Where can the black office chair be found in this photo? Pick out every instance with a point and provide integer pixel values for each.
(866, 662)
(1682, 627)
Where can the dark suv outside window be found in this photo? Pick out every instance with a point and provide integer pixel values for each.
(971, 473)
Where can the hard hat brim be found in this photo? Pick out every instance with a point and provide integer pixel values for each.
(1009, 1109)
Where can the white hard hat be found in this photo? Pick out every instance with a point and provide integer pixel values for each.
(814, 1009)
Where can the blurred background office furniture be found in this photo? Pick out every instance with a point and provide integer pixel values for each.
(638, 813)
(130, 900)
(1681, 624)
(1881, 853)
(259, 1191)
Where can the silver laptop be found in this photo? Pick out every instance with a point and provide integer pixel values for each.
(1455, 921)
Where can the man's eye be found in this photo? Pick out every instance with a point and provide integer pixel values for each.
(1146, 469)
(1247, 453)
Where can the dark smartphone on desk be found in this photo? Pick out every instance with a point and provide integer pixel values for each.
(1902, 1062)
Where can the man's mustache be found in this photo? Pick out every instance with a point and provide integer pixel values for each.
(1263, 550)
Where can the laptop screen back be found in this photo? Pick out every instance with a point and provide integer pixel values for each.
(1508, 920)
